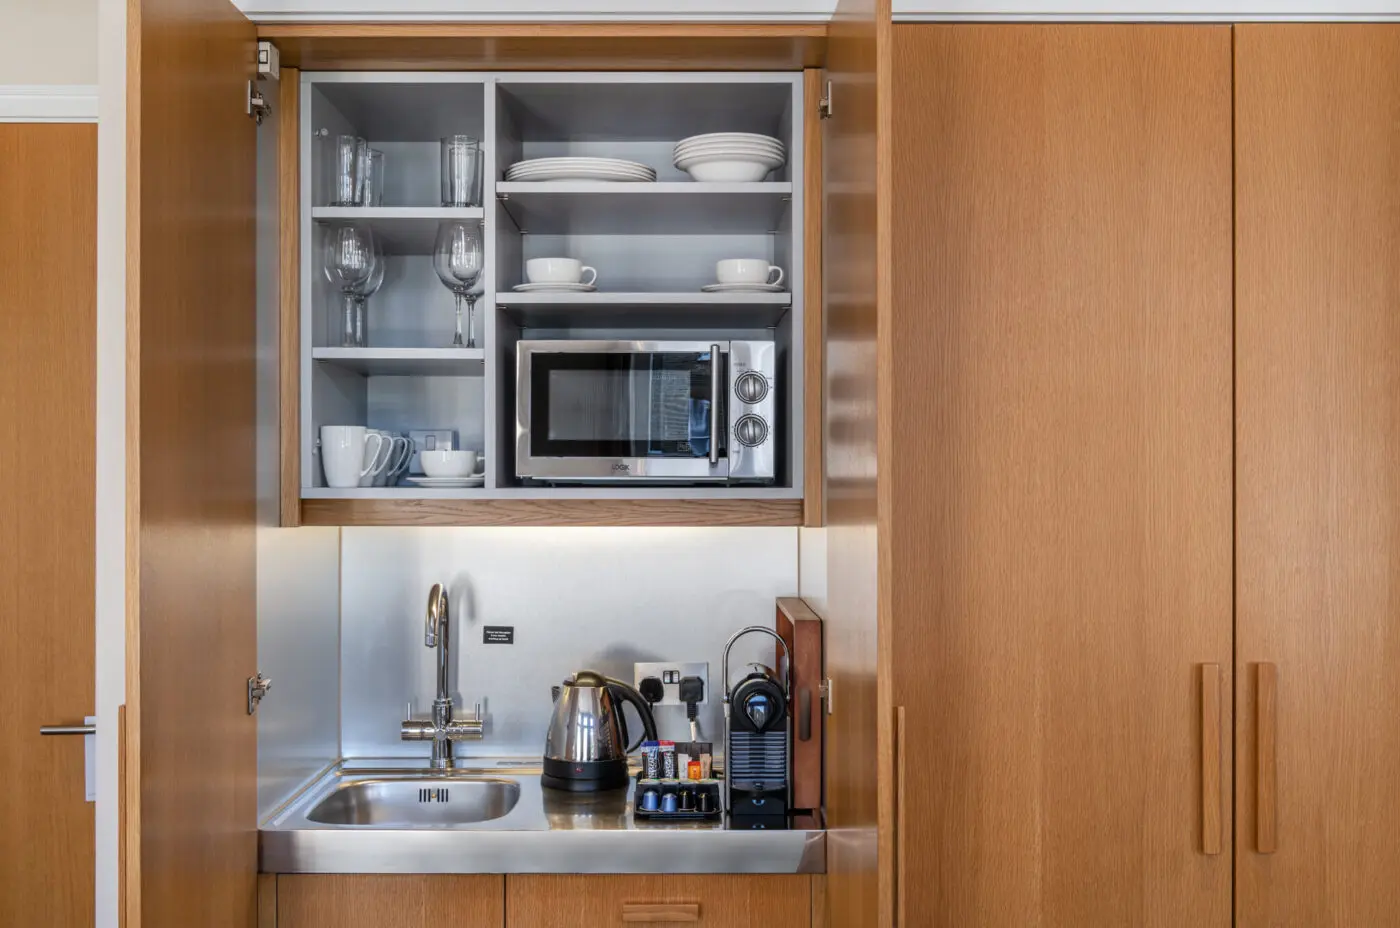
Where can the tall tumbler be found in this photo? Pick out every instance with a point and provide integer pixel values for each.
(349, 170)
(461, 171)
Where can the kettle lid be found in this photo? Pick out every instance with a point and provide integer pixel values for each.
(588, 678)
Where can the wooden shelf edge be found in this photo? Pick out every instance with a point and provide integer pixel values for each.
(552, 512)
(527, 30)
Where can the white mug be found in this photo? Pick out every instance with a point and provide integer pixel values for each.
(400, 450)
(558, 271)
(344, 453)
(747, 271)
(377, 460)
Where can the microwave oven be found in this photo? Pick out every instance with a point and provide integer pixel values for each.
(646, 411)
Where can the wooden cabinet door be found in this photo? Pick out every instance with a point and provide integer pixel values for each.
(48, 209)
(191, 761)
(390, 901)
(1317, 134)
(702, 901)
(1059, 476)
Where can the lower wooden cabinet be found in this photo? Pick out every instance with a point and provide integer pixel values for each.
(534, 901)
(718, 901)
(372, 900)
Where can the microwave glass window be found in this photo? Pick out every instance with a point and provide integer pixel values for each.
(607, 404)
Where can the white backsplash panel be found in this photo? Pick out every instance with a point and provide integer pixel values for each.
(577, 598)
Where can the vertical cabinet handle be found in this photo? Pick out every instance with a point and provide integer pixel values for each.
(1210, 759)
(1266, 759)
(899, 817)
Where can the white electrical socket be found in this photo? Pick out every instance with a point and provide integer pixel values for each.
(670, 673)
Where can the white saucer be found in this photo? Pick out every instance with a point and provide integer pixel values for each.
(554, 288)
(447, 483)
(743, 288)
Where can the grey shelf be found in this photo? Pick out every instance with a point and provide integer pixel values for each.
(398, 362)
(742, 310)
(402, 230)
(624, 208)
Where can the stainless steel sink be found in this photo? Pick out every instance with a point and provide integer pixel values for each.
(408, 801)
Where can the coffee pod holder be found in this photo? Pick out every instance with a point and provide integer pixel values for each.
(672, 793)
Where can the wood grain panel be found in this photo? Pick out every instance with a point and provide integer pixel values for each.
(48, 209)
(289, 295)
(191, 604)
(267, 900)
(598, 901)
(552, 512)
(814, 326)
(390, 900)
(549, 46)
(801, 630)
(1059, 467)
(856, 197)
(1317, 129)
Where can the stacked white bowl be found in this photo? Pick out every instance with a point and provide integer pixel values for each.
(729, 157)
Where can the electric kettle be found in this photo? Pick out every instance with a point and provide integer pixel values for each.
(586, 748)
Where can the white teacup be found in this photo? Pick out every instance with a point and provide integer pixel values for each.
(348, 454)
(443, 463)
(747, 271)
(558, 271)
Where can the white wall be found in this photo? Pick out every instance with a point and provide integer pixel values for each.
(48, 42)
(579, 598)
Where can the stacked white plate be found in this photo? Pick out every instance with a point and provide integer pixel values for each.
(586, 169)
(729, 157)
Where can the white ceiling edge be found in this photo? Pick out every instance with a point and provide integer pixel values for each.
(537, 11)
(48, 103)
(1148, 10)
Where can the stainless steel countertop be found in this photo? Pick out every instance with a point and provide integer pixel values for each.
(546, 832)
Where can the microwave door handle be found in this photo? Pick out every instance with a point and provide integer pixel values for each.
(714, 405)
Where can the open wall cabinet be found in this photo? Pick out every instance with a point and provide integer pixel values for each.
(654, 246)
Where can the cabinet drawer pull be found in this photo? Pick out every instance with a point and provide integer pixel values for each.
(1210, 759)
(899, 827)
(1266, 759)
(663, 912)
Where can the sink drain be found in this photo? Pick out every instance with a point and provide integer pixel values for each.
(428, 794)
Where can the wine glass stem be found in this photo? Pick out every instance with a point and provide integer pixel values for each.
(471, 322)
(457, 339)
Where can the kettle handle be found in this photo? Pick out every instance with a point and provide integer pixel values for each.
(629, 694)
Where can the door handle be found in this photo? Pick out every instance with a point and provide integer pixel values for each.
(661, 912)
(714, 407)
(899, 827)
(68, 730)
(1210, 759)
(1266, 758)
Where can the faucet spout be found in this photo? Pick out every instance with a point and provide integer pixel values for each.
(441, 730)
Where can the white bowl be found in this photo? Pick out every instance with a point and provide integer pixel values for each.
(730, 137)
(727, 171)
(683, 150)
(440, 463)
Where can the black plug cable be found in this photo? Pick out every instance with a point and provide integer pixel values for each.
(692, 692)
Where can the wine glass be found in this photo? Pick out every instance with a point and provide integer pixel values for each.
(350, 262)
(366, 290)
(458, 258)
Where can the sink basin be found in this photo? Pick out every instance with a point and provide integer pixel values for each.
(415, 801)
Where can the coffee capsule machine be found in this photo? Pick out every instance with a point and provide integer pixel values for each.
(757, 741)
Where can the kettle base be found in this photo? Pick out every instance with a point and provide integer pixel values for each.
(584, 776)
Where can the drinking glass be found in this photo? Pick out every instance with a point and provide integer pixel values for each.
(461, 171)
(349, 264)
(372, 192)
(348, 170)
(458, 257)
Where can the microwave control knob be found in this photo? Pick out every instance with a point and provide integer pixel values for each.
(751, 430)
(751, 387)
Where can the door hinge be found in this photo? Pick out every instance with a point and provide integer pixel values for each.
(825, 690)
(269, 62)
(257, 689)
(824, 104)
(258, 107)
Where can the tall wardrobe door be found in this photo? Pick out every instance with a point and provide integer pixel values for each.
(1059, 497)
(1317, 129)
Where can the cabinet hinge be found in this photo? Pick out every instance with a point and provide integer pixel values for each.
(825, 690)
(257, 689)
(258, 107)
(824, 104)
